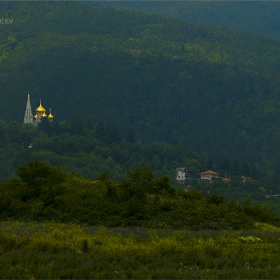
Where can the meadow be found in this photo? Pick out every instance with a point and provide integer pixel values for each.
(33, 250)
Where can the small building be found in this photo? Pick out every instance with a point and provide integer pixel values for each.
(226, 180)
(207, 176)
(187, 188)
(183, 174)
(243, 178)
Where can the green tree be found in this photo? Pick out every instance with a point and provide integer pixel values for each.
(194, 166)
(161, 186)
(36, 176)
(134, 189)
(45, 126)
(106, 178)
(76, 125)
(140, 177)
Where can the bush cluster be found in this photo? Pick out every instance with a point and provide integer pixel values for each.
(42, 192)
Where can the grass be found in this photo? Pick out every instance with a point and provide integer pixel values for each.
(262, 227)
(55, 250)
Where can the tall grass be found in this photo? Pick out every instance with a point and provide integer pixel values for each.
(55, 250)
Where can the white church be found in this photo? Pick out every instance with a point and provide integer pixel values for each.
(40, 113)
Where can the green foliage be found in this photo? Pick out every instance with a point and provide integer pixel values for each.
(126, 70)
(133, 190)
(194, 166)
(37, 179)
(194, 195)
(75, 251)
(224, 86)
(161, 186)
(215, 199)
(107, 180)
(240, 15)
(84, 154)
(37, 174)
(43, 192)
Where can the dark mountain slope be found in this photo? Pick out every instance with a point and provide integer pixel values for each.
(215, 89)
(260, 17)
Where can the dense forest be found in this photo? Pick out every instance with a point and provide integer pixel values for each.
(214, 89)
(129, 89)
(41, 192)
(256, 16)
(92, 193)
(89, 149)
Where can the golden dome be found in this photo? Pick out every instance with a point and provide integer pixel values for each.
(35, 117)
(41, 109)
(50, 116)
(44, 115)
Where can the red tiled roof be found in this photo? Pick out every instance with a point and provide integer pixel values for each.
(209, 172)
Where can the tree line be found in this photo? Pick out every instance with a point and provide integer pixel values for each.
(89, 149)
(41, 192)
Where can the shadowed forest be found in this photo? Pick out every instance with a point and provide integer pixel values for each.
(134, 95)
(214, 89)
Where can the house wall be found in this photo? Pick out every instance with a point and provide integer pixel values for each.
(208, 177)
(180, 175)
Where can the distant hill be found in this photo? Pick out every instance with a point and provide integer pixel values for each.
(256, 16)
(215, 89)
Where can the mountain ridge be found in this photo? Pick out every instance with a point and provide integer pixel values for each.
(214, 89)
(260, 17)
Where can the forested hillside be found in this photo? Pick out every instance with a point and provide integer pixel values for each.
(260, 17)
(43, 192)
(215, 90)
(91, 149)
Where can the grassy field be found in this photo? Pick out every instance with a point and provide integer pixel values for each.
(54, 250)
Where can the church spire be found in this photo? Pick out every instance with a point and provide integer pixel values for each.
(28, 117)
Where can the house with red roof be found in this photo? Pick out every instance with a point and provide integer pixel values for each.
(226, 180)
(207, 176)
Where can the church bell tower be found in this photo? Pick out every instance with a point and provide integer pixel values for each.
(28, 117)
